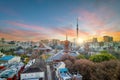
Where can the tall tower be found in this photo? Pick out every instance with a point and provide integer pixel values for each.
(77, 28)
(66, 37)
(66, 45)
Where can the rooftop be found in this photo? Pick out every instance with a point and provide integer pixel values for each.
(7, 73)
(32, 69)
(63, 70)
(11, 70)
(38, 66)
(6, 58)
(64, 73)
(59, 55)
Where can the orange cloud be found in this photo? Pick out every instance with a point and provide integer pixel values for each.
(10, 37)
(97, 21)
(14, 34)
(89, 29)
(51, 32)
(62, 31)
(23, 33)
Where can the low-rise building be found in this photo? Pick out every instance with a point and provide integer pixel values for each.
(36, 71)
(7, 47)
(33, 73)
(12, 71)
(10, 59)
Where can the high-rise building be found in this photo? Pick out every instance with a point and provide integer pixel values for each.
(95, 40)
(111, 38)
(107, 38)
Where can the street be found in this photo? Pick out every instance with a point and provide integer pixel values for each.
(49, 72)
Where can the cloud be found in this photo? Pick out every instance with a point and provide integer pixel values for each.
(51, 32)
(10, 37)
(70, 31)
(90, 20)
(98, 20)
(27, 26)
(14, 34)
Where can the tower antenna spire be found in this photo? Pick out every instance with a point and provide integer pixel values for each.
(77, 28)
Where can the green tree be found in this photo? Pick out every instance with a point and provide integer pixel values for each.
(2, 40)
(20, 47)
(103, 51)
(102, 57)
(2, 50)
(87, 56)
(12, 42)
(80, 56)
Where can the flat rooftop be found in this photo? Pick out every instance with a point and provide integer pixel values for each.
(6, 58)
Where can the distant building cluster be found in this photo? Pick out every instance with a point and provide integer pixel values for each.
(108, 38)
(95, 40)
(36, 68)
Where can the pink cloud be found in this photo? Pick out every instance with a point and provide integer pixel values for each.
(51, 32)
(32, 27)
(97, 21)
(10, 37)
(94, 23)
(106, 12)
(90, 19)
(23, 33)
(14, 34)
(62, 31)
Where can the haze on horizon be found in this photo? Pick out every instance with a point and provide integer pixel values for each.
(47, 19)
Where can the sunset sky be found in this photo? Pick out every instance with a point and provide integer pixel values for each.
(52, 19)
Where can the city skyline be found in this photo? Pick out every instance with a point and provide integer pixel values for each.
(48, 19)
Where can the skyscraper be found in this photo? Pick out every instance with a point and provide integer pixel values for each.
(107, 38)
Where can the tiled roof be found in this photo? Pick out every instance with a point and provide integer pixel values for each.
(32, 69)
(38, 66)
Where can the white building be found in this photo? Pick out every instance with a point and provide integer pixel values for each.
(59, 65)
(33, 74)
(35, 71)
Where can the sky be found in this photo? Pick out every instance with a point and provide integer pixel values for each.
(34, 20)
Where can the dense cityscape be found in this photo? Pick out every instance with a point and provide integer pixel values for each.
(19, 59)
(59, 40)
